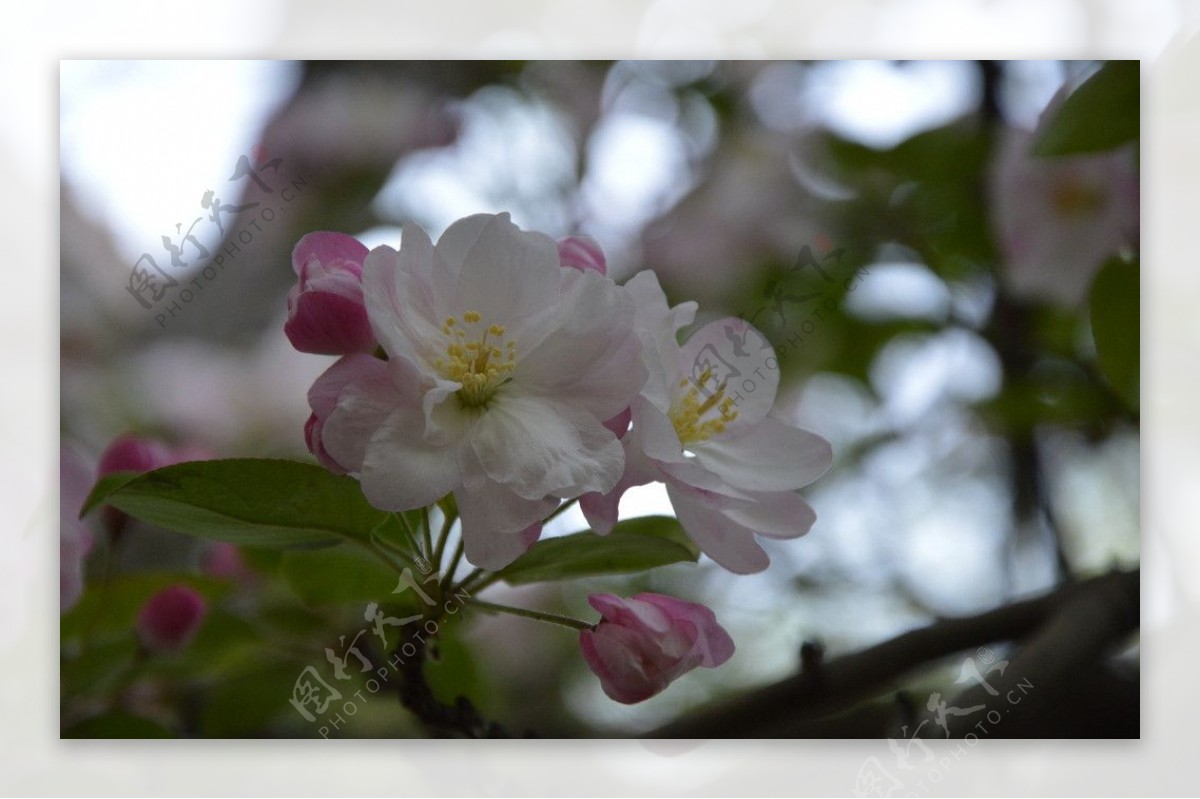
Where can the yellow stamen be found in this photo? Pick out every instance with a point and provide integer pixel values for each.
(688, 411)
(479, 366)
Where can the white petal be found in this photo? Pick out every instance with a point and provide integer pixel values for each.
(401, 471)
(657, 325)
(507, 274)
(491, 550)
(592, 358)
(495, 521)
(539, 447)
(399, 300)
(767, 456)
(741, 358)
(723, 540)
(653, 434)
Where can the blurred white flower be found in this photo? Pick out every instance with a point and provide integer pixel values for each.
(1057, 219)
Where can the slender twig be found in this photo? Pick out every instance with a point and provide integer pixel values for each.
(551, 618)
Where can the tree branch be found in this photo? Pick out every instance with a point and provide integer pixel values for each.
(1072, 624)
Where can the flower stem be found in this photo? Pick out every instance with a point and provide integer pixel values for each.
(427, 535)
(448, 578)
(550, 618)
(473, 582)
(412, 536)
(470, 578)
(561, 509)
(443, 537)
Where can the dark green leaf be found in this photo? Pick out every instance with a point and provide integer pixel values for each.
(1101, 114)
(339, 574)
(270, 503)
(1116, 322)
(634, 545)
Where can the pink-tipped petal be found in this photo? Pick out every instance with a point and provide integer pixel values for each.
(326, 312)
(582, 253)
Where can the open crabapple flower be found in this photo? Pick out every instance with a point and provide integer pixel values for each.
(326, 314)
(701, 425)
(644, 643)
(502, 367)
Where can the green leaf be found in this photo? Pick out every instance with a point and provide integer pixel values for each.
(267, 503)
(634, 545)
(117, 725)
(104, 486)
(1115, 308)
(1103, 113)
(339, 574)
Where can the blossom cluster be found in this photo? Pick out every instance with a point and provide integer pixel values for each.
(510, 371)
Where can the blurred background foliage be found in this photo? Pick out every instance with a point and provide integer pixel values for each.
(955, 313)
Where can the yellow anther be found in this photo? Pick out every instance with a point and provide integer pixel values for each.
(480, 365)
(688, 411)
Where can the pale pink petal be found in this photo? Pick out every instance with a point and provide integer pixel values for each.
(726, 542)
(766, 456)
(582, 253)
(711, 640)
(325, 248)
(778, 514)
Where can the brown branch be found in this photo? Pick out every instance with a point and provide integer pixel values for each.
(462, 720)
(1107, 605)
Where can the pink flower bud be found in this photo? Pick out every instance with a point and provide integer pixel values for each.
(582, 253)
(644, 643)
(326, 314)
(130, 453)
(169, 619)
